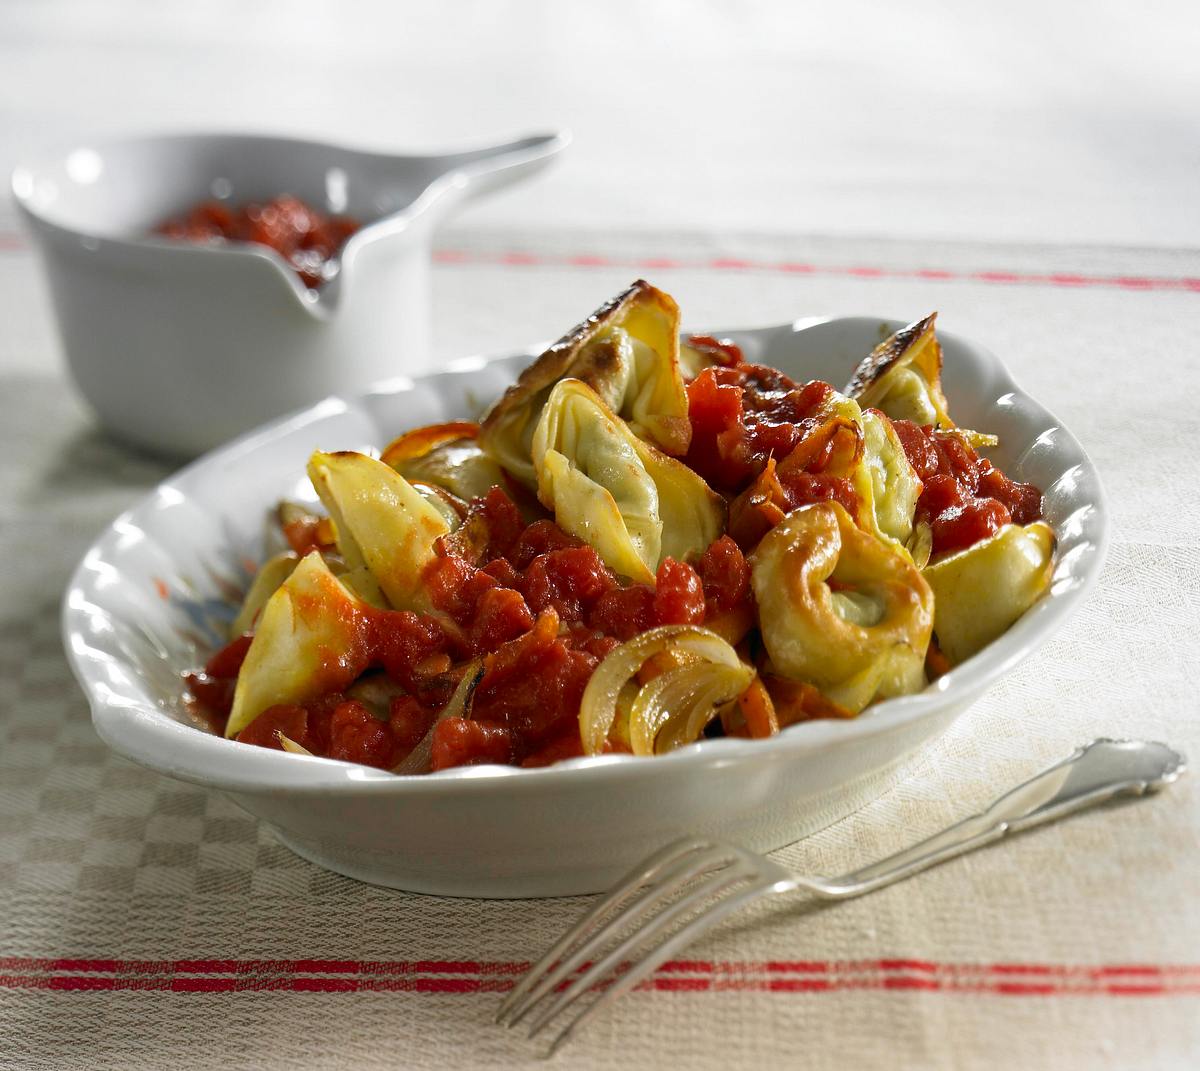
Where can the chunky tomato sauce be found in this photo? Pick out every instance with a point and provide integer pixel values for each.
(307, 239)
(771, 442)
(964, 497)
(523, 613)
(529, 610)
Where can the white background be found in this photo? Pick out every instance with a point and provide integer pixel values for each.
(1021, 121)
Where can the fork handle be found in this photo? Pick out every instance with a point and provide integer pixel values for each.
(1093, 774)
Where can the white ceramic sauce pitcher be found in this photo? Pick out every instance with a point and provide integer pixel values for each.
(180, 346)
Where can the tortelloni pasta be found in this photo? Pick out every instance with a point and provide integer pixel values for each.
(628, 353)
(386, 528)
(841, 608)
(631, 553)
(632, 503)
(266, 582)
(980, 591)
(448, 456)
(886, 481)
(903, 376)
(309, 641)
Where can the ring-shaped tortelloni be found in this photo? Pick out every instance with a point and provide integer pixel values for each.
(447, 455)
(627, 351)
(310, 641)
(841, 608)
(887, 484)
(631, 503)
(385, 526)
(982, 590)
(902, 376)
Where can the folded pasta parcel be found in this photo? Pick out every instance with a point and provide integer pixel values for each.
(983, 589)
(841, 608)
(385, 526)
(902, 376)
(310, 640)
(448, 456)
(627, 351)
(632, 503)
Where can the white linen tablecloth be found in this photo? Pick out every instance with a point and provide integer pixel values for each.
(146, 923)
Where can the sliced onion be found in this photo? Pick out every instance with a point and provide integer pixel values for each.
(976, 440)
(920, 544)
(420, 758)
(598, 708)
(290, 745)
(673, 709)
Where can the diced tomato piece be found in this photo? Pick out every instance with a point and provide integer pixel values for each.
(533, 684)
(940, 494)
(227, 662)
(568, 581)
(725, 574)
(409, 722)
(965, 525)
(293, 721)
(623, 612)
(504, 522)
(1023, 500)
(356, 735)
(500, 615)
(446, 579)
(678, 594)
(804, 488)
(403, 643)
(965, 498)
(917, 448)
(539, 538)
(215, 694)
(463, 742)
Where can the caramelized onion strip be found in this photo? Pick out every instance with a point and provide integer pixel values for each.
(712, 667)
(418, 760)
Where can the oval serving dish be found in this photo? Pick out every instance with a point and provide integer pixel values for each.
(151, 596)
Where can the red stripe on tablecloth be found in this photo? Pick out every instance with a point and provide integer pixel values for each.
(677, 976)
(14, 242)
(1075, 280)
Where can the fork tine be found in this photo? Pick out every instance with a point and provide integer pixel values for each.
(645, 871)
(669, 878)
(681, 939)
(713, 885)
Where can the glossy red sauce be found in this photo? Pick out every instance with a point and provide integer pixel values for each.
(306, 238)
(769, 442)
(964, 497)
(529, 605)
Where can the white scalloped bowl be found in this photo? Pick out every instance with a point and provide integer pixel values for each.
(147, 600)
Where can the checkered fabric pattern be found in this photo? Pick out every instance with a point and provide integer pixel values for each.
(145, 922)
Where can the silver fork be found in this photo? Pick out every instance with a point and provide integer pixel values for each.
(699, 882)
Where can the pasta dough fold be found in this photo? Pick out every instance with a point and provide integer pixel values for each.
(630, 502)
(982, 590)
(385, 527)
(841, 608)
(310, 641)
(628, 353)
(903, 376)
